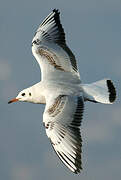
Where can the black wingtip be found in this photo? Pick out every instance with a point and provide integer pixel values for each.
(56, 11)
(77, 171)
(61, 39)
(111, 90)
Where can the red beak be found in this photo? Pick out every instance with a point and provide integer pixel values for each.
(13, 100)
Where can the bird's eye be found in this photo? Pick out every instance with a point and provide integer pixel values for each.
(23, 94)
(29, 94)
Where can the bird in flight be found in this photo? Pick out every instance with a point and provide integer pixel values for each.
(62, 91)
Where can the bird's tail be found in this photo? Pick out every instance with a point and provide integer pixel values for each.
(102, 91)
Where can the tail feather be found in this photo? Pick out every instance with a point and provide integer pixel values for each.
(102, 91)
(111, 90)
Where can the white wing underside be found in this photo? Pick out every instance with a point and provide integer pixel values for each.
(51, 52)
(62, 119)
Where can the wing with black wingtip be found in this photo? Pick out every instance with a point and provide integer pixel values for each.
(62, 119)
(50, 49)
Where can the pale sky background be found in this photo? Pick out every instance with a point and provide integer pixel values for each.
(93, 32)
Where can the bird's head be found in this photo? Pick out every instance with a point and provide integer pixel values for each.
(24, 95)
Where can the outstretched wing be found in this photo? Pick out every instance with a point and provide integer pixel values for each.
(62, 120)
(50, 49)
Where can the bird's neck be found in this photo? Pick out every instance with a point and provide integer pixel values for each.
(37, 93)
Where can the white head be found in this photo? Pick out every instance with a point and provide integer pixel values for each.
(24, 95)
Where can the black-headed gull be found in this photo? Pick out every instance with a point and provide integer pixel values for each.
(62, 91)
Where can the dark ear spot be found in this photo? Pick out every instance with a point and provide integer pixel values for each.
(29, 94)
(23, 94)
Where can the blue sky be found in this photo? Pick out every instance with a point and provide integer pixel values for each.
(93, 32)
